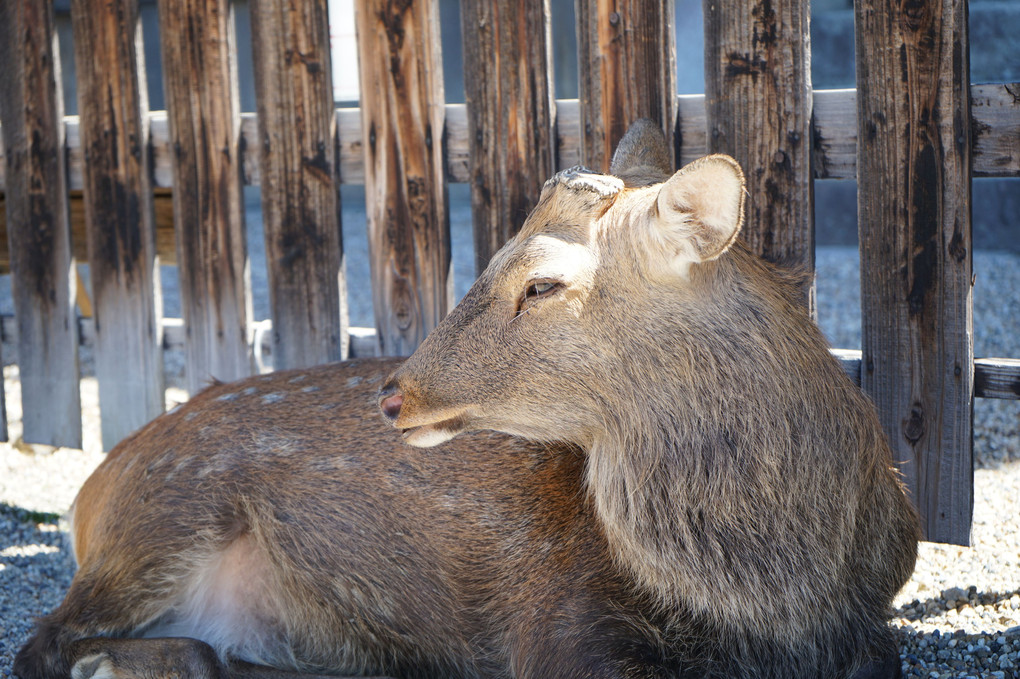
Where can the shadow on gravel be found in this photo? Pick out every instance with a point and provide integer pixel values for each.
(952, 598)
(27, 516)
(35, 570)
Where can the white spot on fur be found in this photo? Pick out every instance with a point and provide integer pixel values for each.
(336, 462)
(249, 391)
(298, 378)
(311, 388)
(96, 666)
(227, 397)
(274, 397)
(190, 416)
(353, 381)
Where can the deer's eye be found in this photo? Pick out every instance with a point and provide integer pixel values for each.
(537, 290)
(540, 289)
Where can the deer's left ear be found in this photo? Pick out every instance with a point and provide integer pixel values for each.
(700, 209)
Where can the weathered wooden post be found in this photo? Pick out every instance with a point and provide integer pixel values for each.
(626, 70)
(201, 89)
(509, 91)
(402, 116)
(32, 110)
(119, 219)
(300, 184)
(758, 101)
(913, 175)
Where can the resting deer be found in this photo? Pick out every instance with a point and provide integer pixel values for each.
(631, 455)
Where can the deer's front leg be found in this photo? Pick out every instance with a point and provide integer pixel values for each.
(170, 658)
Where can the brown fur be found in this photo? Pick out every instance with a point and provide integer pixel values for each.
(686, 483)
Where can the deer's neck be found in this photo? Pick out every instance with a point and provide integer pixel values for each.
(713, 488)
(644, 506)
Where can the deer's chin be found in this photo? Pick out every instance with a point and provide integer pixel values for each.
(428, 435)
(433, 433)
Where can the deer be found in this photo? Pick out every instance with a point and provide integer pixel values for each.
(627, 452)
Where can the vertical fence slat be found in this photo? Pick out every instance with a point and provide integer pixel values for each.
(508, 87)
(200, 82)
(758, 102)
(913, 166)
(119, 218)
(37, 223)
(300, 187)
(402, 116)
(626, 70)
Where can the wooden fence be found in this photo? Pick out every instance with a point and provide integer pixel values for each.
(913, 134)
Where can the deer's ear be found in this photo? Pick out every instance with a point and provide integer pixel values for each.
(700, 209)
(641, 158)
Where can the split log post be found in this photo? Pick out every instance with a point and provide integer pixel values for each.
(119, 218)
(200, 80)
(511, 116)
(300, 183)
(914, 169)
(758, 101)
(626, 70)
(38, 231)
(402, 117)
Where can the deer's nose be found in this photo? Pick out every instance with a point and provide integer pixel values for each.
(390, 400)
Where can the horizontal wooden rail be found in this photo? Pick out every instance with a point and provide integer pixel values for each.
(995, 113)
(995, 120)
(997, 378)
(993, 377)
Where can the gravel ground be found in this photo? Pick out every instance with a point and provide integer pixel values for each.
(959, 616)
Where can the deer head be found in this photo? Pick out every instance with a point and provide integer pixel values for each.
(535, 347)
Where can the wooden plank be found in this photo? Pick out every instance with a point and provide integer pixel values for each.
(913, 162)
(568, 133)
(508, 88)
(995, 121)
(402, 130)
(300, 187)
(31, 108)
(835, 134)
(201, 90)
(850, 359)
(162, 153)
(626, 58)
(997, 378)
(995, 111)
(119, 217)
(75, 154)
(993, 377)
(995, 118)
(162, 201)
(758, 102)
(456, 149)
(995, 129)
(692, 128)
